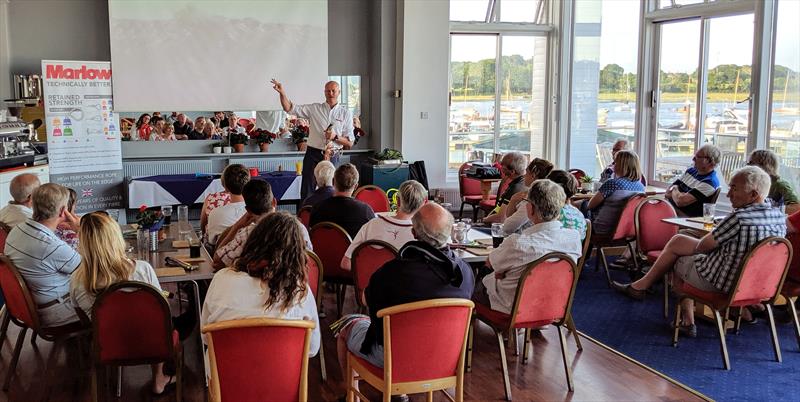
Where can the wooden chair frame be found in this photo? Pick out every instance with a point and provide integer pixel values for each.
(461, 176)
(300, 211)
(385, 384)
(586, 247)
(368, 187)
(318, 299)
(214, 391)
(642, 254)
(718, 317)
(359, 293)
(340, 284)
(499, 331)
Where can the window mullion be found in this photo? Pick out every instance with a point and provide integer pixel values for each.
(702, 88)
(497, 91)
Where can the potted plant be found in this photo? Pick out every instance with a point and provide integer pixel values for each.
(238, 141)
(586, 183)
(263, 138)
(299, 132)
(216, 147)
(150, 221)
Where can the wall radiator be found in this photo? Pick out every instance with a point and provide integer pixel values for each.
(138, 169)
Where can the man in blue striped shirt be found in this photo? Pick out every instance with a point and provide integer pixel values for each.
(698, 184)
(712, 263)
(44, 260)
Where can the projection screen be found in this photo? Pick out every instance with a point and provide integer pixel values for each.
(216, 55)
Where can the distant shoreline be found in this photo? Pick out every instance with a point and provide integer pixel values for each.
(777, 97)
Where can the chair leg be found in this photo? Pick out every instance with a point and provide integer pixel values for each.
(605, 264)
(471, 334)
(51, 363)
(33, 338)
(513, 338)
(677, 324)
(526, 339)
(322, 363)
(504, 364)
(429, 396)
(571, 327)
(739, 320)
(723, 346)
(461, 211)
(95, 384)
(775, 344)
(793, 309)
(350, 380)
(4, 327)
(564, 357)
(12, 368)
(340, 291)
(179, 375)
(667, 280)
(119, 382)
(596, 257)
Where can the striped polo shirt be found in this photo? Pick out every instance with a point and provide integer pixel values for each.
(701, 186)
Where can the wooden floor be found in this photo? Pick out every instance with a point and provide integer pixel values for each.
(599, 374)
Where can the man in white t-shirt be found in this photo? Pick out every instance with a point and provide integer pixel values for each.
(19, 209)
(395, 230)
(233, 178)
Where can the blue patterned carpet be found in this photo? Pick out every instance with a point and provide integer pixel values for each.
(639, 330)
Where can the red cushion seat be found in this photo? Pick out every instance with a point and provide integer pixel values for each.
(375, 370)
(478, 198)
(503, 320)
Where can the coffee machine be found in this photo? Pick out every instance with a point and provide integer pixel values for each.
(16, 145)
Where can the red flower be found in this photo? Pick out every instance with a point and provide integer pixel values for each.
(142, 208)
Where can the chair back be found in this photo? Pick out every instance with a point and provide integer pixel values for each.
(19, 301)
(314, 267)
(304, 214)
(366, 259)
(545, 291)
(762, 272)
(4, 231)
(715, 196)
(578, 174)
(330, 242)
(132, 325)
(467, 185)
(425, 340)
(259, 359)
(374, 197)
(626, 229)
(650, 213)
(586, 247)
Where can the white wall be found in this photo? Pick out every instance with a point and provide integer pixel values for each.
(424, 82)
(5, 72)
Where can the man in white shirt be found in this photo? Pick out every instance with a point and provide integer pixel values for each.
(510, 260)
(233, 178)
(330, 129)
(395, 230)
(18, 210)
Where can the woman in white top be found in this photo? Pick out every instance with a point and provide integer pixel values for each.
(268, 280)
(167, 133)
(104, 263)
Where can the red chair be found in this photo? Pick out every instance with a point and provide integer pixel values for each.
(259, 359)
(423, 350)
(315, 283)
(487, 206)
(132, 326)
(622, 236)
(544, 296)
(330, 243)
(578, 174)
(760, 278)
(366, 259)
(23, 312)
(470, 191)
(304, 214)
(791, 286)
(652, 241)
(374, 197)
(586, 246)
(4, 317)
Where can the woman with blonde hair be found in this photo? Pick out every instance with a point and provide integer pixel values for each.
(104, 263)
(605, 207)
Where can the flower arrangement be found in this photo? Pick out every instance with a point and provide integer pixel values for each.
(149, 218)
(238, 138)
(263, 136)
(299, 130)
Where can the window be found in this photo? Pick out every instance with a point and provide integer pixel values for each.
(469, 10)
(531, 11)
(603, 81)
(784, 132)
(679, 3)
(350, 86)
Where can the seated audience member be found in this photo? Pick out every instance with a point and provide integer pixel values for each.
(341, 208)
(222, 121)
(711, 263)
(513, 169)
(323, 173)
(198, 128)
(234, 177)
(65, 231)
(258, 202)
(608, 173)
(233, 125)
(210, 131)
(395, 230)
(570, 217)
(426, 268)
(158, 124)
(214, 200)
(537, 169)
(43, 260)
(141, 131)
(268, 280)
(167, 133)
(19, 209)
(698, 184)
(104, 263)
(780, 191)
(182, 127)
(605, 207)
(547, 235)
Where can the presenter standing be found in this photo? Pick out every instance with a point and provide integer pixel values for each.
(330, 130)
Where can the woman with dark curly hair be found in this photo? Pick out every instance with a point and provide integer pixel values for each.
(268, 280)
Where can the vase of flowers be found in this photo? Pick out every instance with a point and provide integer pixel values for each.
(263, 138)
(586, 183)
(150, 221)
(299, 133)
(238, 141)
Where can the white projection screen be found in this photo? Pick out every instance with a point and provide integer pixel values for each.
(208, 55)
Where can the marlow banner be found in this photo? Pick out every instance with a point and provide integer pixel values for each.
(83, 134)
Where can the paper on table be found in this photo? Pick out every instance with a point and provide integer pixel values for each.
(170, 271)
(180, 244)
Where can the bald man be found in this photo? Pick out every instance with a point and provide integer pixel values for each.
(426, 268)
(330, 128)
(19, 209)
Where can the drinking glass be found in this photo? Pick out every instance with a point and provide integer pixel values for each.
(458, 234)
(467, 226)
(497, 234)
(709, 211)
(183, 220)
(166, 212)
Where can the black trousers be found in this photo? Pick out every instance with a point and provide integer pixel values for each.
(312, 157)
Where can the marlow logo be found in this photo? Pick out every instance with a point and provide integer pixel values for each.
(58, 71)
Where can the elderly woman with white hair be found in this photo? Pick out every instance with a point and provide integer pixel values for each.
(780, 191)
(323, 174)
(711, 263)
